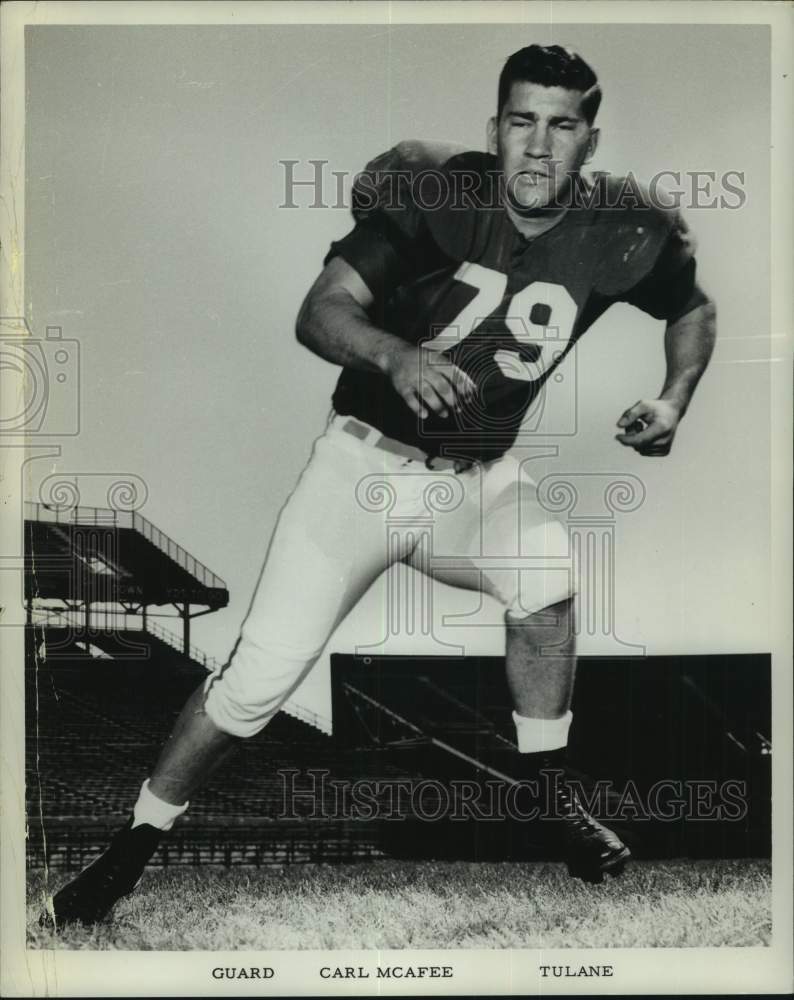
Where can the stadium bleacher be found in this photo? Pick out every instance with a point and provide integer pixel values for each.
(658, 732)
(95, 728)
(105, 682)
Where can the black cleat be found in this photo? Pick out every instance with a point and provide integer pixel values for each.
(590, 849)
(89, 898)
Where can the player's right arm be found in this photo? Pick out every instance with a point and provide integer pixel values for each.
(334, 323)
(381, 253)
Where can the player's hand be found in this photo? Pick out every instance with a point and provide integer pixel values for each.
(428, 382)
(649, 426)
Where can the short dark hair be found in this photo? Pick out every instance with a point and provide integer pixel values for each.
(551, 66)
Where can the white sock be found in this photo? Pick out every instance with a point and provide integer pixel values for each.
(538, 735)
(149, 809)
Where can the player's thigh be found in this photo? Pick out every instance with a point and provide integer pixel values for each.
(325, 552)
(502, 542)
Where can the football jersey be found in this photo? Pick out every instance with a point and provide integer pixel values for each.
(449, 271)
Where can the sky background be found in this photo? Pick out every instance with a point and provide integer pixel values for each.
(154, 237)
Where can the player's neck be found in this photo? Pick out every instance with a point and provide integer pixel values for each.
(533, 224)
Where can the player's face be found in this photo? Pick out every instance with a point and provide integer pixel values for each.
(541, 138)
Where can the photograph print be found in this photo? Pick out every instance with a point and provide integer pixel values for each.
(397, 484)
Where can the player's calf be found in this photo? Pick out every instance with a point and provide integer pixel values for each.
(196, 747)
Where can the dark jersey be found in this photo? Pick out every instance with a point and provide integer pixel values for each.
(450, 271)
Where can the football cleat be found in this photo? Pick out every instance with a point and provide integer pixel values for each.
(591, 849)
(89, 898)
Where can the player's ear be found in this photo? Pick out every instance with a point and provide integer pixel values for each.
(592, 144)
(491, 131)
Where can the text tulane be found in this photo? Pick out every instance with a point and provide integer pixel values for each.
(575, 971)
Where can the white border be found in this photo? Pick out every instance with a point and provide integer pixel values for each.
(638, 971)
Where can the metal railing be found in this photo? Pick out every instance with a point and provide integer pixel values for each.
(108, 517)
(107, 622)
(172, 639)
(51, 617)
(99, 619)
(306, 715)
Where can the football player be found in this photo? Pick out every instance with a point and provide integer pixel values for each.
(437, 306)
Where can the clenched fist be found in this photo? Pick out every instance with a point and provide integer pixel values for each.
(650, 426)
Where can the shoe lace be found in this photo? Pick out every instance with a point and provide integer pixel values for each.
(573, 810)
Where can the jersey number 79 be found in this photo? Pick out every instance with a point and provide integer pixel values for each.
(559, 312)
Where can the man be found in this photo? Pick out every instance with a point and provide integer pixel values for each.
(437, 311)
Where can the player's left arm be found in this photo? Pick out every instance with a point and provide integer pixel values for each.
(668, 291)
(649, 426)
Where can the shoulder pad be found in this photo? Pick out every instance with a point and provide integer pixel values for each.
(421, 154)
(387, 183)
(634, 233)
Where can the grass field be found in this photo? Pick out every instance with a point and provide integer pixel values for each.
(387, 904)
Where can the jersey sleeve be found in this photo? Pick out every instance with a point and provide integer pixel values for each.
(381, 255)
(669, 289)
(390, 243)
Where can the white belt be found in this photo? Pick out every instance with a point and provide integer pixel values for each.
(373, 437)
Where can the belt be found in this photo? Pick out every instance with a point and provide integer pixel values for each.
(373, 437)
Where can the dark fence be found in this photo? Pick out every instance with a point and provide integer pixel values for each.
(424, 739)
(70, 845)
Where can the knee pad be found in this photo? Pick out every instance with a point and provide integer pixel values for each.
(538, 569)
(243, 697)
(517, 615)
(529, 601)
(527, 591)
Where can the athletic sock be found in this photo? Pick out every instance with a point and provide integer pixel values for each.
(541, 735)
(154, 811)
